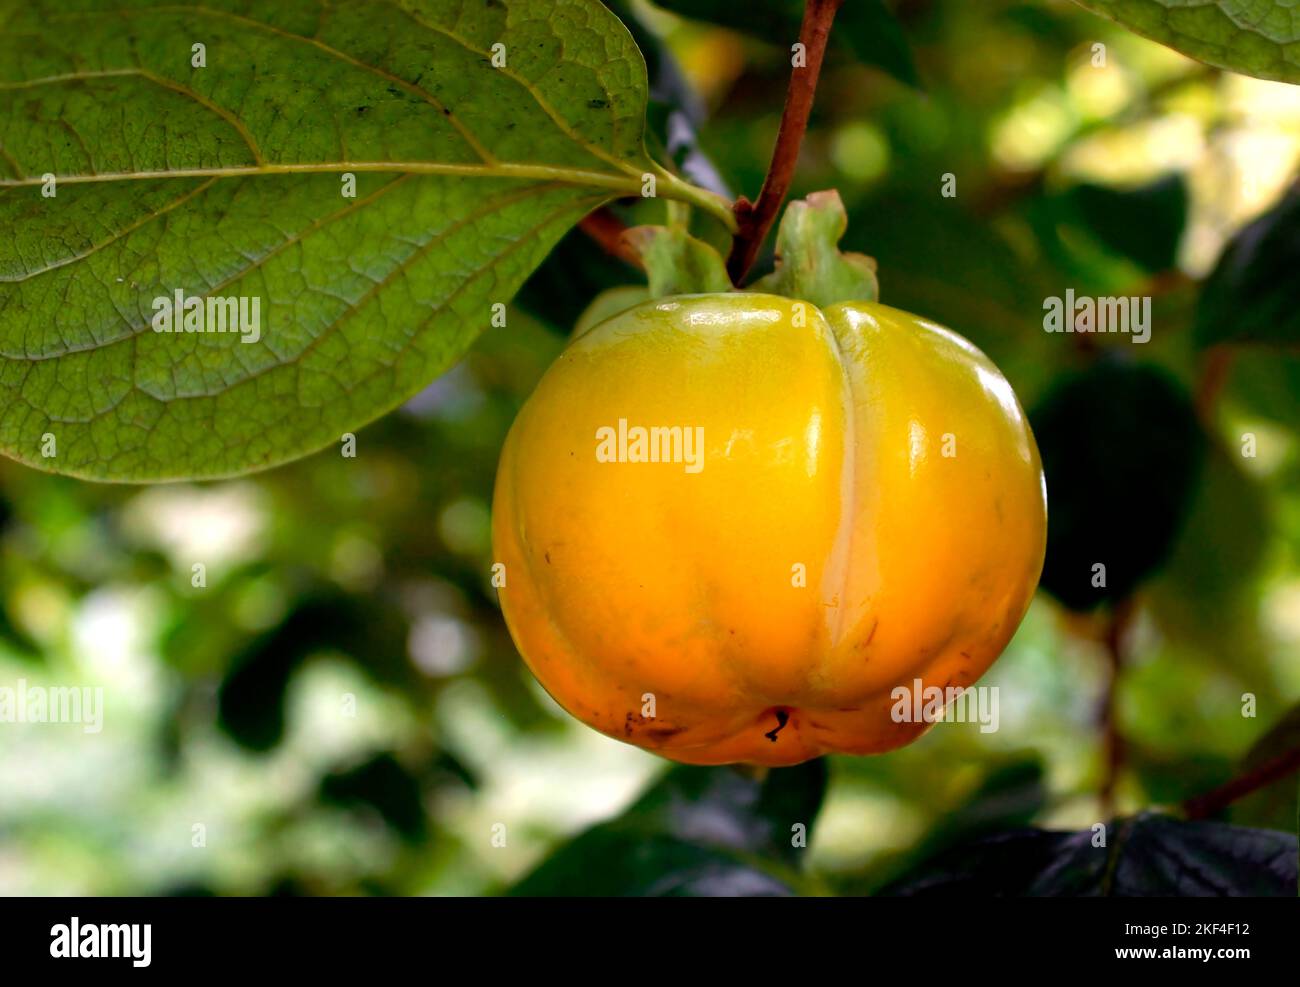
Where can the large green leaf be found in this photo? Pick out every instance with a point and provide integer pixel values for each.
(700, 832)
(225, 180)
(1254, 37)
(1146, 856)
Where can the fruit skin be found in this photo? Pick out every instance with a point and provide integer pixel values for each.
(823, 439)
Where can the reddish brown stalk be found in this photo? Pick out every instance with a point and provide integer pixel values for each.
(1214, 375)
(1112, 738)
(755, 218)
(607, 230)
(1217, 799)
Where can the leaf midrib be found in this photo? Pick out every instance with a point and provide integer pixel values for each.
(629, 182)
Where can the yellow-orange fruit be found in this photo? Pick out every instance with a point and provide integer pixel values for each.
(846, 501)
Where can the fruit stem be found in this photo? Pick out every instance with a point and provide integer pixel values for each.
(1117, 629)
(755, 219)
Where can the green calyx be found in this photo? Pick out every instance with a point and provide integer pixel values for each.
(809, 262)
(676, 263)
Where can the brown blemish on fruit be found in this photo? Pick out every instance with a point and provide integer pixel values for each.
(663, 733)
(631, 721)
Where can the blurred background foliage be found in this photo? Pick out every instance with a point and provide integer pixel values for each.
(341, 710)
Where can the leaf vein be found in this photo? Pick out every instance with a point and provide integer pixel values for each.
(427, 96)
(125, 231)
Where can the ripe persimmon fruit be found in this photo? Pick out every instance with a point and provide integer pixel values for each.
(734, 525)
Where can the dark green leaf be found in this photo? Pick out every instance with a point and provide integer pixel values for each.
(12, 636)
(699, 831)
(1122, 450)
(383, 784)
(250, 702)
(1008, 797)
(251, 698)
(874, 35)
(1144, 224)
(1251, 294)
(1170, 776)
(1146, 856)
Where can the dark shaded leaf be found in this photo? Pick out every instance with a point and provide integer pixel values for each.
(250, 702)
(1250, 296)
(10, 634)
(1144, 224)
(251, 698)
(1007, 798)
(383, 784)
(876, 38)
(1122, 450)
(699, 831)
(1170, 776)
(1146, 856)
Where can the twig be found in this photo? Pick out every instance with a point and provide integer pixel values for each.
(1116, 631)
(607, 230)
(1214, 375)
(1217, 799)
(755, 219)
